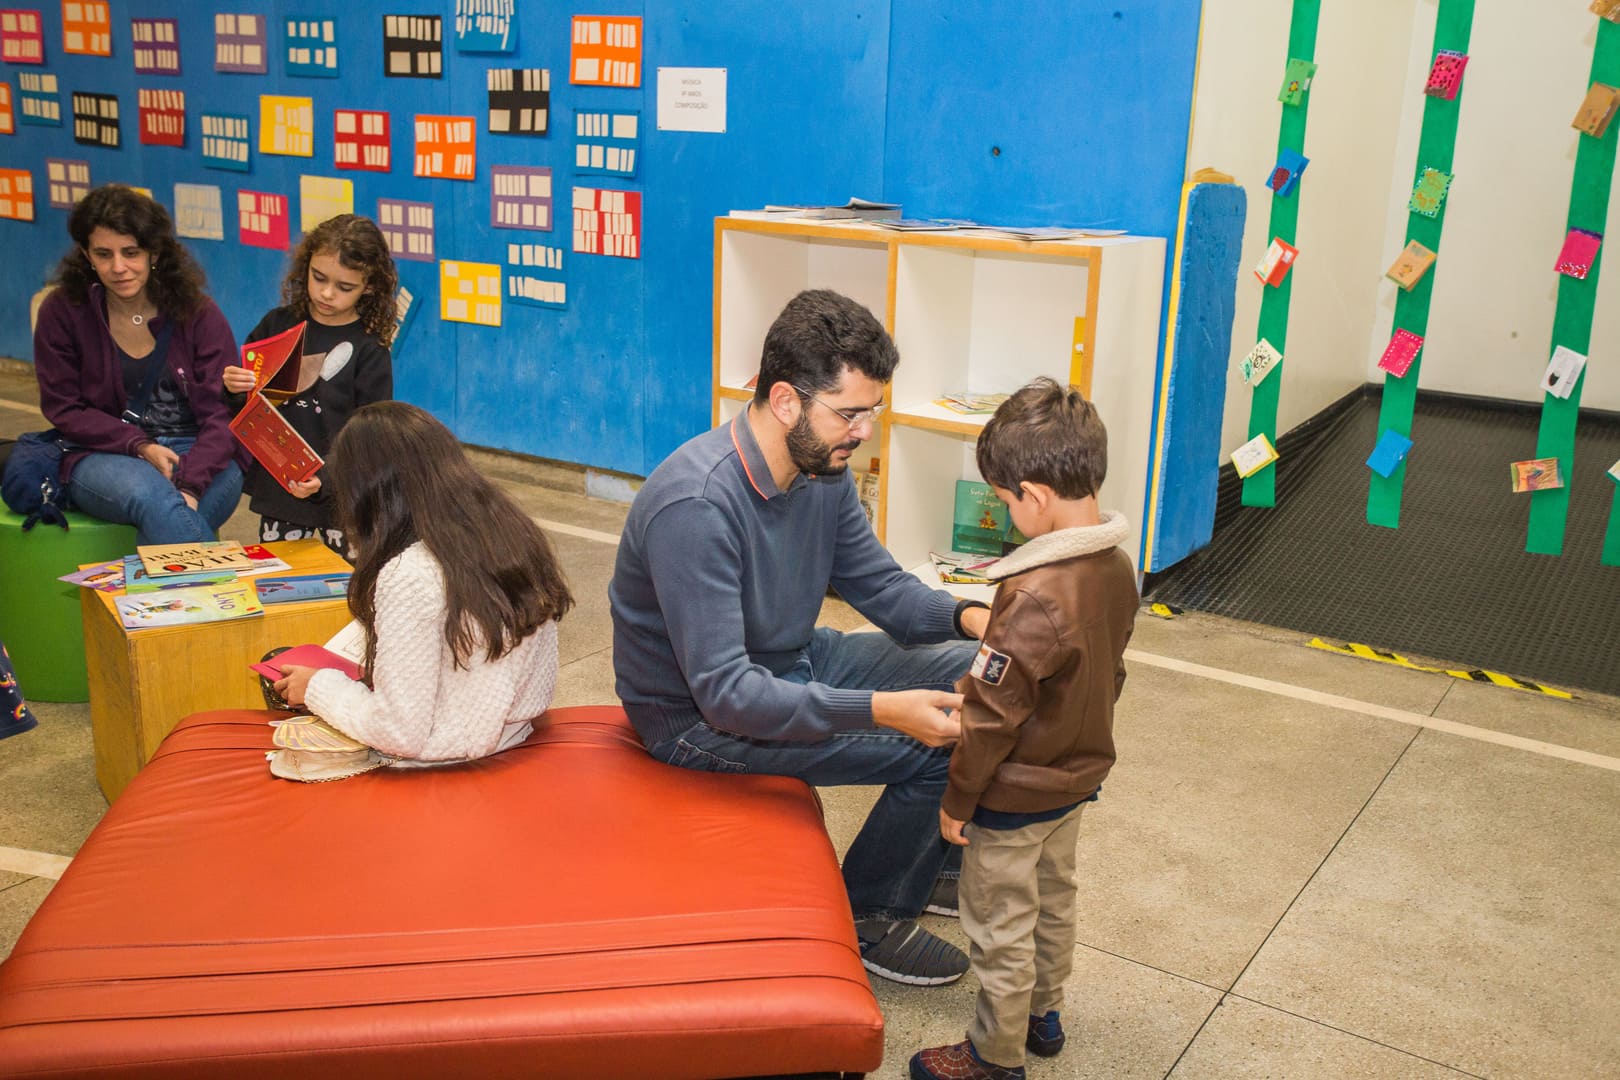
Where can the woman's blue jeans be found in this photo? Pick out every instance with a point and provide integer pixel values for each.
(129, 491)
(892, 864)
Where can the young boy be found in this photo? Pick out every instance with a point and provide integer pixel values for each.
(1037, 726)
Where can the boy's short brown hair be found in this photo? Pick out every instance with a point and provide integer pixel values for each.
(1046, 434)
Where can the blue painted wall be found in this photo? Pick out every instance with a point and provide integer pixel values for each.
(895, 99)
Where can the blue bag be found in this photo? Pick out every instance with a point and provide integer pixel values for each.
(32, 483)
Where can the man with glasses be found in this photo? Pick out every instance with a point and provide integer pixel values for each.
(726, 557)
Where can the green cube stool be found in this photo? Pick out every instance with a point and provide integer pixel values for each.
(39, 620)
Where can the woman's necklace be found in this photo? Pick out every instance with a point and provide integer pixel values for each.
(138, 319)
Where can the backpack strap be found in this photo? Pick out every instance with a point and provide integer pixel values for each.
(135, 408)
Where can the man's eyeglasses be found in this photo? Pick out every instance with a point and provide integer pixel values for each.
(852, 417)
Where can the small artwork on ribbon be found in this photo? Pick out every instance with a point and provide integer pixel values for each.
(1260, 362)
(1580, 251)
(1296, 81)
(1279, 260)
(1409, 268)
(1445, 76)
(1597, 109)
(1563, 372)
(1253, 456)
(1286, 173)
(1400, 353)
(1537, 474)
(1388, 454)
(1429, 192)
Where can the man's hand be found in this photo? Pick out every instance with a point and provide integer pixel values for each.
(920, 714)
(975, 620)
(238, 380)
(951, 829)
(160, 457)
(294, 683)
(303, 489)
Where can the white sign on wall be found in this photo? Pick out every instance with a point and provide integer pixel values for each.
(692, 99)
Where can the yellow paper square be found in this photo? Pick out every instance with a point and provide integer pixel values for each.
(287, 125)
(459, 281)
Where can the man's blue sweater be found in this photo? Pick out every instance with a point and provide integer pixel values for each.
(719, 580)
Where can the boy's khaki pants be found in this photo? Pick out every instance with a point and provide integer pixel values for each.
(1017, 902)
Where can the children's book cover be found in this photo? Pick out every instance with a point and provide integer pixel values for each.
(195, 604)
(162, 560)
(101, 576)
(276, 362)
(274, 442)
(137, 580)
(287, 590)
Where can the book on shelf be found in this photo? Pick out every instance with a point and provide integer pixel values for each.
(193, 604)
(162, 560)
(289, 590)
(136, 579)
(276, 362)
(859, 209)
(971, 404)
(274, 442)
(982, 524)
(916, 224)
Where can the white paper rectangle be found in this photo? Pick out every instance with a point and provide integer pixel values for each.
(692, 99)
(1563, 372)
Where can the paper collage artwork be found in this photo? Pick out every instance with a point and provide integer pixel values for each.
(445, 147)
(262, 219)
(8, 117)
(1597, 109)
(606, 51)
(1445, 77)
(287, 125)
(225, 142)
(312, 46)
(1580, 249)
(520, 197)
(41, 103)
(404, 312)
(323, 197)
(1286, 173)
(1563, 372)
(605, 142)
(607, 222)
(67, 180)
(157, 46)
(1400, 353)
(413, 46)
(1410, 266)
(1429, 192)
(360, 140)
(534, 275)
(1260, 362)
(1296, 81)
(95, 119)
(22, 37)
(1278, 261)
(1390, 451)
(408, 228)
(1537, 474)
(162, 115)
(198, 212)
(17, 194)
(519, 101)
(86, 28)
(470, 293)
(486, 26)
(1253, 456)
(239, 44)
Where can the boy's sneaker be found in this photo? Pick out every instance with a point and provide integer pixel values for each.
(1046, 1036)
(959, 1062)
(942, 901)
(906, 953)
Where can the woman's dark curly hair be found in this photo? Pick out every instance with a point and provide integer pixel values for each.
(177, 284)
(358, 245)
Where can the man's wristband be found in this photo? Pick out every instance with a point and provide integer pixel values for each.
(956, 618)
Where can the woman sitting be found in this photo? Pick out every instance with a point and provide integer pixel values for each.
(457, 589)
(129, 352)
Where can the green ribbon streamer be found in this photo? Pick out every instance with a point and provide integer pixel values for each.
(1611, 539)
(1572, 323)
(1436, 145)
(1260, 489)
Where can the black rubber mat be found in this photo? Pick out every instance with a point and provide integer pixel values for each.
(1453, 582)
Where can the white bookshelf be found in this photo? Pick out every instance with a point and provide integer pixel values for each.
(968, 312)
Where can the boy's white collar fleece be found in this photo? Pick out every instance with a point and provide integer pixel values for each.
(1060, 545)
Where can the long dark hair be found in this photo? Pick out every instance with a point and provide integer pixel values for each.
(177, 284)
(398, 476)
(358, 245)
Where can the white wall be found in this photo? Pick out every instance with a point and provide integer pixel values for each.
(1491, 316)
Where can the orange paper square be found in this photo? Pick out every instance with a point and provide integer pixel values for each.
(606, 51)
(17, 194)
(8, 118)
(445, 146)
(86, 27)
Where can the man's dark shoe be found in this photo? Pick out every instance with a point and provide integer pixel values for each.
(942, 901)
(904, 952)
(1046, 1036)
(959, 1062)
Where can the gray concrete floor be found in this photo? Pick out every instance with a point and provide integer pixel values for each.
(1304, 865)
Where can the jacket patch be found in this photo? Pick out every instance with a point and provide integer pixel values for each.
(990, 666)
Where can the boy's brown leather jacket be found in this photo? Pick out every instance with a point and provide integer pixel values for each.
(1038, 710)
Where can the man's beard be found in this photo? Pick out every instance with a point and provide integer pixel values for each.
(810, 454)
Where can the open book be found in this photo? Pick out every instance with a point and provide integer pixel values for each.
(276, 362)
(274, 442)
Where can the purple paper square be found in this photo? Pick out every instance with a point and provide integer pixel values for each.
(520, 197)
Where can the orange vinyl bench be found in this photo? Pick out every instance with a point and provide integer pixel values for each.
(568, 908)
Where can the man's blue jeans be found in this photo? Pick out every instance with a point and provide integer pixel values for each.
(129, 491)
(891, 867)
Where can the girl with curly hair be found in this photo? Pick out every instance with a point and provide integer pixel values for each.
(128, 352)
(341, 285)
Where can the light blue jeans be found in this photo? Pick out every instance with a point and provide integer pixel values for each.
(129, 491)
(893, 863)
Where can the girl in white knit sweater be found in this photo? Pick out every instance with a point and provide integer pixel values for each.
(457, 589)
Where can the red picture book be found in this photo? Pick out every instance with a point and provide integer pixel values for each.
(276, 362)
(315, 656)
(277, 446)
